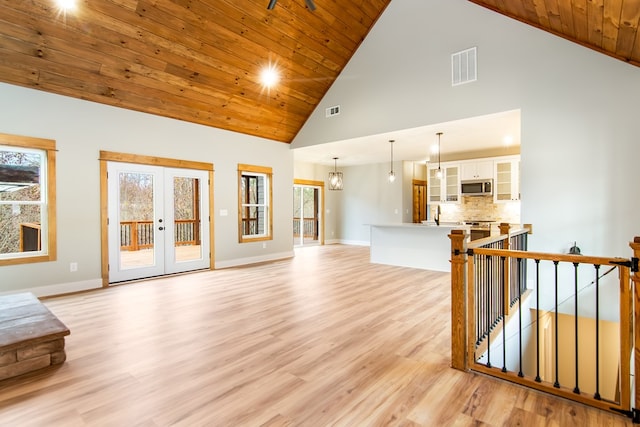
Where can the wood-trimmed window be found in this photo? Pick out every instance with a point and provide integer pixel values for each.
(27, 199)
(255, 210)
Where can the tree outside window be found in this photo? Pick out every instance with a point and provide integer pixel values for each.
(254, 203)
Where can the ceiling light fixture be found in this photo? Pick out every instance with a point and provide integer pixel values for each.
(269, 76)
(65, 5)
(439, 171)
(392, 176)
(335, 177)
(310, 4)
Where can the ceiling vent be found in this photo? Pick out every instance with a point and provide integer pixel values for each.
(464, 67)
(332, 111)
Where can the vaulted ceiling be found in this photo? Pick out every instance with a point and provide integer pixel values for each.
(194, 60)
(200, 60)
(608, 26)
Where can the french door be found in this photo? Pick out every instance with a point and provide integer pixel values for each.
(155, 222)
(307, 221)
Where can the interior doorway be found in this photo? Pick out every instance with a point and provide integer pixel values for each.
(419, 200)
(308, 223)
(157, 219)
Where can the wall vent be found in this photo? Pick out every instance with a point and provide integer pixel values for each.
(332, 111)
(464, 67)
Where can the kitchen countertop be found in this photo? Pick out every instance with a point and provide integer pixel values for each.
(451, 225)
(425, 246)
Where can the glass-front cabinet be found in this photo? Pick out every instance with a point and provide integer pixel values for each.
(446, 189)
(507, 180)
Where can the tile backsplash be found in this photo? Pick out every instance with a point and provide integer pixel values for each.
(478, 208)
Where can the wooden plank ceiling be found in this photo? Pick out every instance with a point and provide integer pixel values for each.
(193, 60)
(200, 60)
(608, 26)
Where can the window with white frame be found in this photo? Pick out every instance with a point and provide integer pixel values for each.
(27, 200)
(254, 203)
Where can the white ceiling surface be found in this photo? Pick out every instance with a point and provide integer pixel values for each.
(466, 135)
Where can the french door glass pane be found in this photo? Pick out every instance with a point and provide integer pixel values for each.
(186, 206)
(137, 246)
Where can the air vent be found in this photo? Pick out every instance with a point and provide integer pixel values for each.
(464, 67)
(332, 111)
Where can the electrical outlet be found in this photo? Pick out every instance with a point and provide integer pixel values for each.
(73, 267)
(264, 245)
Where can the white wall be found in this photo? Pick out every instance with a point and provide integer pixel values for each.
(81, 129)
(579, 115)
(367, 198)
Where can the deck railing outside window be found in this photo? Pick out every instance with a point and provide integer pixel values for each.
(136, 235)
(309, 227)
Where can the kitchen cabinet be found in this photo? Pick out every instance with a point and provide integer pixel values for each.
(446, 189)
(476, 170)
(507, 180)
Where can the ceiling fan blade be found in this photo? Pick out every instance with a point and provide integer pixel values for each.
(272, 4)
(310, 5)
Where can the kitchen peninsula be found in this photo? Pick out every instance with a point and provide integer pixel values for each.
(425, 246)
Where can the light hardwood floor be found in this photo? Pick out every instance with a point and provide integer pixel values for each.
(324, 339)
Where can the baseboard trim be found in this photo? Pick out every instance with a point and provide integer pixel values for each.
(254, 260)
(60, 288)
(355, 242)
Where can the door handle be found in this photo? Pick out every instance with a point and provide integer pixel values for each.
(160, 228)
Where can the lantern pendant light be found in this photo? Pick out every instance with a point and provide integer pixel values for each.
(335, 177)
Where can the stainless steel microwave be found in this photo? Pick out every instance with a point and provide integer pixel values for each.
(477, 187)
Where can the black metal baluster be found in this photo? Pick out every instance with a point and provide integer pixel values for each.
(504, 318)
(476, 283)
(556, 384)
(488, 308)
(538, 379)
(520, 374)
(597, 393)
(478, 287)
(576, 389)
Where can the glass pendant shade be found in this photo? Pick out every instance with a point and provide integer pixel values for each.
(392, 175)
(439, 173)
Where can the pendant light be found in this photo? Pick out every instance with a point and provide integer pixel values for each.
(335, 177)
(439, 173)
(392, 176)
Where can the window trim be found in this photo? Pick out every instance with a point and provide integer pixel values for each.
(242, 168)
(49, 146)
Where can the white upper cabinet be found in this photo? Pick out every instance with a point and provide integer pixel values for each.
(446, 189)
(476, 170)
(507, 180)
(504, 171)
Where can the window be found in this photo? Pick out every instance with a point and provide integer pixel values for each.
(254, 203)
(27, 199)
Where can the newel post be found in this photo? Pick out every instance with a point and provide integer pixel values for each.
(635, 277)
(458, 299)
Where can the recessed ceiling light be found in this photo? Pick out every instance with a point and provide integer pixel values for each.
(66, 4)
(507, 140)
(269, 76)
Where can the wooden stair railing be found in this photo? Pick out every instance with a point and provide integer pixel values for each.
(465, 340)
